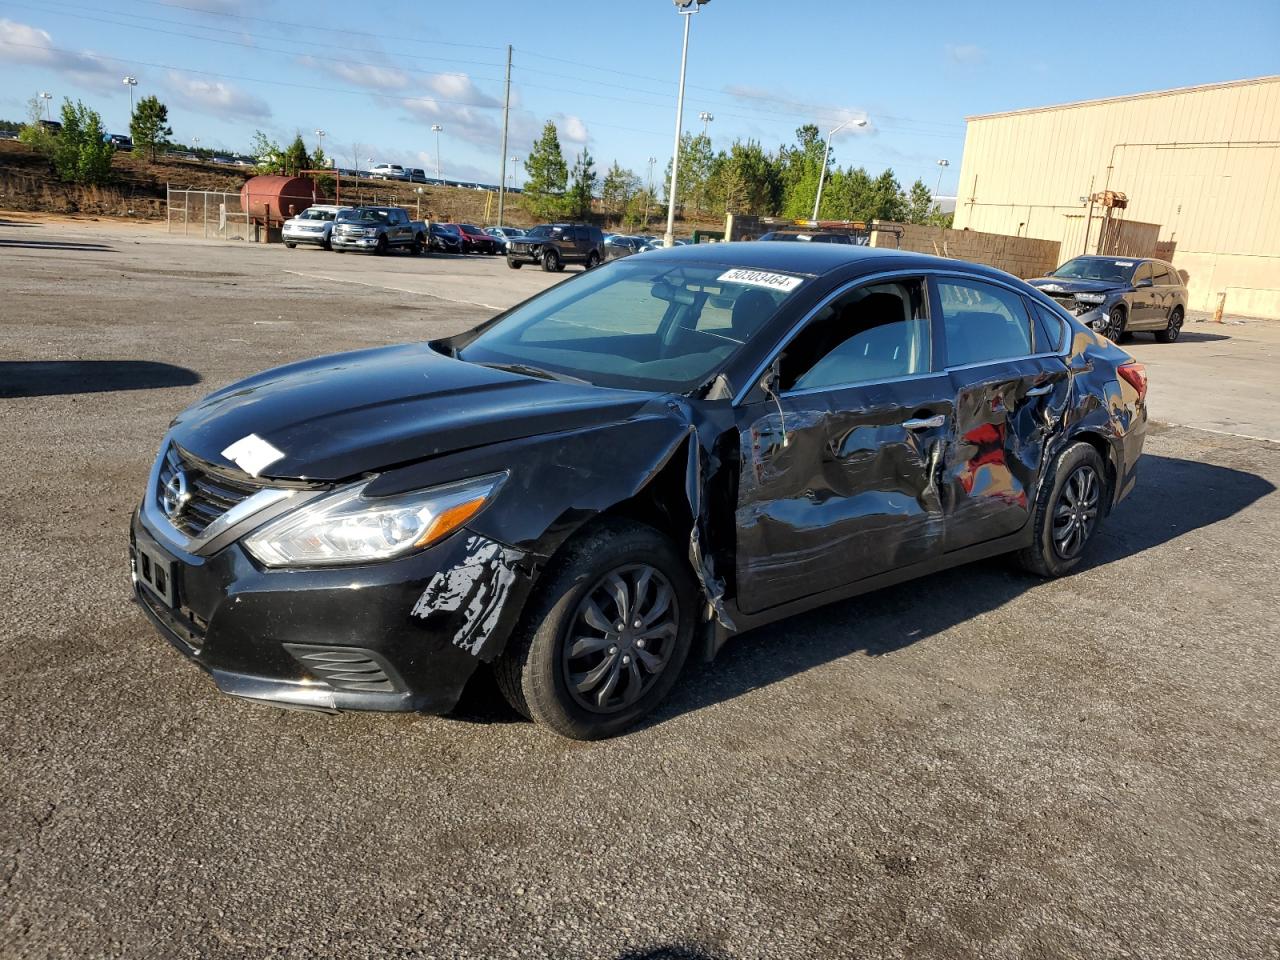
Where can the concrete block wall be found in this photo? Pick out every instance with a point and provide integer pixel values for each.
(1021, 256)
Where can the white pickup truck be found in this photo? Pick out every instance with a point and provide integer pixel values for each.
(377, 230)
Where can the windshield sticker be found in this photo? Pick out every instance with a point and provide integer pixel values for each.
(252, 454)
(1124, 263)
(759, 278)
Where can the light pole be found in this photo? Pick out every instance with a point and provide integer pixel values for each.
(46, 97)
(130, 82)
(942, 165)
(706, 119)
(822, 177)
(436, 128)
(320, 135)
(686, 8)
(515, 172)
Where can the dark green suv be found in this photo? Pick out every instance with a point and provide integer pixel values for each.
(554, 244)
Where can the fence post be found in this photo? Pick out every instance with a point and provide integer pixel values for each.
(205, 218)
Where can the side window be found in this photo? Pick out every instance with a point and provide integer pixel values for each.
(1144, 272)
(869, 334)
(1160, 273)
(983, 323)
(1050, 329)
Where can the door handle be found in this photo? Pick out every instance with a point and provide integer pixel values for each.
(924, 423)
(1040, 391)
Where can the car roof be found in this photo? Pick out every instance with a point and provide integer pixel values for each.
(813, 259)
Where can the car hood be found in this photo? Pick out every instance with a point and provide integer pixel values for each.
(347, 414)
(1070, 285)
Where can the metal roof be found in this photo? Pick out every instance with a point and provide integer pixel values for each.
(1132, 96)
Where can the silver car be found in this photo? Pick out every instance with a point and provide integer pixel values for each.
(313, 225)
(1120, 295)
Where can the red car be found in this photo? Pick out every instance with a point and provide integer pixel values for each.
(475, 240)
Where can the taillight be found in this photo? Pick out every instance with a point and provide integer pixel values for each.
(1134, 374)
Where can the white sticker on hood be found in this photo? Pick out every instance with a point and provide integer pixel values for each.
(761, 278)
(1124, 263)
(252, 454)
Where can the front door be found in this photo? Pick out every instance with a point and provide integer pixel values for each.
(1145, 306)
(1009, 392)
(840, 459)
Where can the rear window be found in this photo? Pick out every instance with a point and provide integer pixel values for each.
(1051, 330)
(984, 323)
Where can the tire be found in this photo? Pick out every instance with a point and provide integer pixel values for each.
(1117, 319)
(380, 247)
(551, 261)
(534, 671)
(326, 245)
(1171, 333)
(290, 245)
(418, 246)
(514, 264)
(1074, 499)
(593, 260)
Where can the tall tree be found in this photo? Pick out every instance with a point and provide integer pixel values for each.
(745, 180)
(547, 176)
(34, 133)
(919, 203)
(81, 154)
(696, 161)
(617, 189)
(149, 128)
(295, 158)
(583, 185)
(267, 152)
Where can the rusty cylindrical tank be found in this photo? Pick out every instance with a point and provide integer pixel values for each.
(268, 199)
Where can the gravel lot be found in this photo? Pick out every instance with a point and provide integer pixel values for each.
(976, 764)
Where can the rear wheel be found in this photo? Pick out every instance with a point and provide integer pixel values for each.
(605, 636)
(593, 260)
(1171, 333)
(551, 261)
(290, 244)
(1067, 512)
(1116, 320)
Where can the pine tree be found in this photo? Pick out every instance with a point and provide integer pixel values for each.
(295, 158)
(617, 189)
(583, 187)
(546, 176)
(149, 127)
(919, 203)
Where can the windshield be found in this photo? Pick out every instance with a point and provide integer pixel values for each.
(1097, 268)
(366, 216)
(639, 326)
(312, 213)
(539, 232)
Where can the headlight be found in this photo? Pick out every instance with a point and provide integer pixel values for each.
(371, 232)
(347, 527)
(1091, 297)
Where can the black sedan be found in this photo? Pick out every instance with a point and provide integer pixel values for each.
(1120, 295)
(441, 239)
(622, 472)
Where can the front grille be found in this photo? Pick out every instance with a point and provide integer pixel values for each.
(1071, 304)
(211, 491)
(347, 668)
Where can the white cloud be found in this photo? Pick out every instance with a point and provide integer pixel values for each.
(216, 98)
(969, 54)
(32, 46)
(857, 121)
(369, 76)
(572, 129)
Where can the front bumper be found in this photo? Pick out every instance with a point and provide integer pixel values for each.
(394, 636)
(353, 243)
(304, 236)
(524, 254)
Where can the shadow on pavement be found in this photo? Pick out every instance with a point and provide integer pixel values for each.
(14, 223)
(50, 378)
(674, 951)
(54, 245)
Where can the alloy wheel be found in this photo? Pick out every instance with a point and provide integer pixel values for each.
(1175, 326)
(1076, 513)
(1114, 329)
(620, 639)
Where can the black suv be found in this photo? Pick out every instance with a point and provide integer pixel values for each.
(555, 244)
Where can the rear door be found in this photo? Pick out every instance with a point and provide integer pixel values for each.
(1009, 387)
(1161, 295)
(839, 462)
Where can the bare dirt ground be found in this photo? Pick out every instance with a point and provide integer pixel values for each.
(973, 765)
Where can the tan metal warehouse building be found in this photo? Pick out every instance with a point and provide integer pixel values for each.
(1199, 168)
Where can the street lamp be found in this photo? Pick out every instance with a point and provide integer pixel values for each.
(706, 119)
(942, 165)
(822, 177)
(515, 172)
(686, 8)
(130, 82)
(46, 97)
(436, 128)
(320, 135)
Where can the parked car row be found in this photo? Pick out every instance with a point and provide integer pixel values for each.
(379, 229)
(394, 171)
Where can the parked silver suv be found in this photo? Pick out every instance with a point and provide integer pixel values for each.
(312, 225)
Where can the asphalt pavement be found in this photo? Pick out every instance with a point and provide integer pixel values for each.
(977, 764)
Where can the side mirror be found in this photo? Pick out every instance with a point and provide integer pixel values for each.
(1145, 282)
(768, 381)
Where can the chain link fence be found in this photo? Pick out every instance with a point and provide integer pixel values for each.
(211, 214)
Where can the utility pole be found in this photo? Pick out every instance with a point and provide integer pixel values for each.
(130, 82)
(436, 128)
(686, 8)
(706, 119)
(46, 96)
(506, 116)
(649, 193)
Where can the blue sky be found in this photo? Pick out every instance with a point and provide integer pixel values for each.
(375, 76)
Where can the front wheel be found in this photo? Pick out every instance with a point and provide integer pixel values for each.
(514, 264)
(551, 262)
(418, 246)
(381, 246)
(1174, 330)
(1114, 329)
(290, 244)
(1067, 512)
(606, 634)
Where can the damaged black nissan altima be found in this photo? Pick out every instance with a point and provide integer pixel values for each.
(623, 471)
